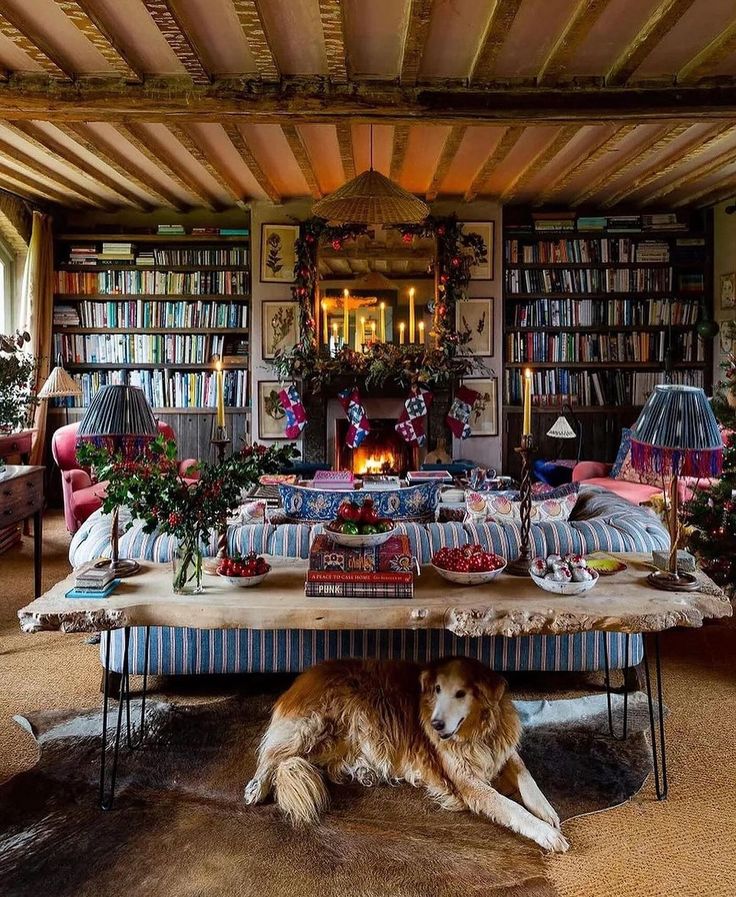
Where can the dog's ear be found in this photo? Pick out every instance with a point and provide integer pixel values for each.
(426, 681)
(492, 687)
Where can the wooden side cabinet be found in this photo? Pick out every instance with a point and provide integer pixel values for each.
(16, 445)
(21, 497)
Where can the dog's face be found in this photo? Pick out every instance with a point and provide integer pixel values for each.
(456, 695)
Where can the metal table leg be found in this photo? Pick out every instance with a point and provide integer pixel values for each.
(134, 745)
(606, 637)
(659, 756)
(107, 794)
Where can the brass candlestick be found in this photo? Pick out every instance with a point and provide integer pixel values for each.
(520, 567)
(220, 440)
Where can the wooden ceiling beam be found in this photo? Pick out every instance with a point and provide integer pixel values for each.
(345, 143)
(31, 188)
(539, 162)
(703, 63)
(83, 14)
(40, 139)
(417, 28)
(176, 37)
(449, 151)
(220, 174)
(557, 64)
(238, 141)
(26, 43)
(331, 14)
(255, 34)
(120, 163)
(660, 22)
(501, 19)
(164, 160)
(689, 177)
(398, 152)
(707, 195)
(296, 145)
(504, 146)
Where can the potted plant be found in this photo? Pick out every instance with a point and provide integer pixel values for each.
(17, 368)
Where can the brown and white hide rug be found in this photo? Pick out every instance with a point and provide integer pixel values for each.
(179, 827)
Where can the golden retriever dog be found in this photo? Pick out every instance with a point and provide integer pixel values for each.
(448, 727)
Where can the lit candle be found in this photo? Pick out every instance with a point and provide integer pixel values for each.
(383, 322)
(220, 389)
(527, 428)
(357, 334)
(345, 318)
(325, 331)
(334, 336)
(373, 334)
(401, 333)
(362, 330)
(421, 333)
(411, 315)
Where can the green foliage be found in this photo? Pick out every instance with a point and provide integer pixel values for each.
(17, 369)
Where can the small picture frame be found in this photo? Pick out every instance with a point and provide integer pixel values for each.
(728, 290)
(487, 230)
(271, 414)
(279, 327)
(278, 252)
(475, 317)
(484, 414)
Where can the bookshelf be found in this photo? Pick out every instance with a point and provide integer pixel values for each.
(156, 310)
(601, 307)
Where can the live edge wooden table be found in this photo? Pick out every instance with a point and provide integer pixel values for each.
(510, 606)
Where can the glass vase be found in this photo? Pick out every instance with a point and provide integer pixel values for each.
(187, 567)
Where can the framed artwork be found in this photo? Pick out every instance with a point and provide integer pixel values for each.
(279, 327)
(271, 414)
(484, 415)
(487, 230)
(475, 317)
(728, 290)
(278, 252)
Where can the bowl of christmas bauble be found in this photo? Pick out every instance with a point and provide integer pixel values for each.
(243, 572)
(469, 565)
(359, 526)
(566, 575)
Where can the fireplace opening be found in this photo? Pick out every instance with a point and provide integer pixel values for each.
(383, 451)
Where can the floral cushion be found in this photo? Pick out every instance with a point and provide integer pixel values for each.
(413, 503)
(622, 468)
(489, 507)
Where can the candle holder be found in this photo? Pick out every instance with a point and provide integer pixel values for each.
(520, 567)
(220, 440)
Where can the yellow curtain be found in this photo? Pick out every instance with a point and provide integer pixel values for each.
(38, 313)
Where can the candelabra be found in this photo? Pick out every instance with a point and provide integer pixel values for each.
(520, 567)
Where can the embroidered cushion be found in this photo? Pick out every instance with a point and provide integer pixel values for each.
(503, 508)
(413, 503)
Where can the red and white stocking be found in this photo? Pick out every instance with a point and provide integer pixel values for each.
(359, 424)
(412, 425)
(459, 413)
(296, 416)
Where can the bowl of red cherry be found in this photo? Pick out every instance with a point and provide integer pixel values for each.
(469, 565)
(359, 526)
(244, 572)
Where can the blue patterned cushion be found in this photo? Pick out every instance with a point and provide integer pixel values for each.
(413, 503)
(623, 450)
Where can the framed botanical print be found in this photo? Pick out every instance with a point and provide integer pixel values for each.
(728, 290)
(278, 252)
(484, 414)
(487, 230)
(474, 318)
(271, 414)
(279, 327)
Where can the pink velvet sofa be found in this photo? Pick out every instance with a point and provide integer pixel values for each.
(595, 473)
(82, 496)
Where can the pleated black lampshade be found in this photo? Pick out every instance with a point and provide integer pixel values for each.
(120, 419)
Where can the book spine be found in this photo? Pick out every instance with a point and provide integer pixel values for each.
(357, 590)
(364, 578)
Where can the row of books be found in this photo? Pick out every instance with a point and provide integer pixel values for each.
(609, 312)
(166, 389)
(550, 388)
(581, 251)
(87, 254)
(204, 231)
(152, 282)
(588, 280)
(139, 313)
(386, 571)
(138, 348)
(604, 347)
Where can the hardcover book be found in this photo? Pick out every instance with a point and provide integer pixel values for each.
(358, 590)
(393, 556)
(378, 578)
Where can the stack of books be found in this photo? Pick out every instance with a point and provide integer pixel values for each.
(145, 257)
(624, 223)
(83, 254)
(116, 252)
(66, 316)
(170, 229)
(335, 480)
(386, 571)
(662, 221)
(94, 579)
(551, 221)
(653, 251)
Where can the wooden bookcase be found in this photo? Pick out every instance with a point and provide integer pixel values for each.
(157, 335)
(596, 331)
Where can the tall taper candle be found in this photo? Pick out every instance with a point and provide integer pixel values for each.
(362, 331)
(402, 327)
(220, 389)
(345, 318)
(383, 322)
(527, 427)
(411, 315)
(334, 338)
(325, 327)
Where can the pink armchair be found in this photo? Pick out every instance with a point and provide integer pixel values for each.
(595, 473)
(81, 496)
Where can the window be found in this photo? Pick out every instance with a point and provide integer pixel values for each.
(6, 289)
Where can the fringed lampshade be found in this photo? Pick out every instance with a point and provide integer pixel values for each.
(371, 198)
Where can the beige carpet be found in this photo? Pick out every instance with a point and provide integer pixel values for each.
(685, 846)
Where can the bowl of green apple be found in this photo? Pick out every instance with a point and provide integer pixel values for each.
(359, 526)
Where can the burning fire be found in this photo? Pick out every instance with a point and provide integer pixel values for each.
(375, 463)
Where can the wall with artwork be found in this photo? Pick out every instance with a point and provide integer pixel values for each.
(724, 280)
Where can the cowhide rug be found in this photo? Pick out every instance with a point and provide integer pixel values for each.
(179, 827)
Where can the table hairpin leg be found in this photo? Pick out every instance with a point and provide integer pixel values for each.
(134, 745)
(656, 730)
(606, 637)
(106, 799)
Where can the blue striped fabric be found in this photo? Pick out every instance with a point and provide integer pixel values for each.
(177, 651)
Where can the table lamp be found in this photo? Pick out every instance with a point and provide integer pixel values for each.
(676, 435)
(120, 420)
(59, 385)
(562, 429)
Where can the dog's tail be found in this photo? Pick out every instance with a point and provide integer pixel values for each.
(300, 791)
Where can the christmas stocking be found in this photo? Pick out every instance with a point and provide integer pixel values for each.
(459, 413)
(411, 424)
(296, 416)
(359, 423)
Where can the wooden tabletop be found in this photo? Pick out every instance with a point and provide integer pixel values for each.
(509, 606)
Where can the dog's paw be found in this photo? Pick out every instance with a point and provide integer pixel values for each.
(552, 840)
(256, 791)
(546, 812)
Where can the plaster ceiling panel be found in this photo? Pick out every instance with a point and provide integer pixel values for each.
(531, 36)
(383, 144)
(422, 154)
(40, 180)
(531, 143)
(726, 66)
(374, 35)
(136, 33)
(222, 154)
(698, 27)
(272, 152)
(455, 32)
(324, 154)
(475, 147)
(704, 186)
(13, 59)
(214, 29)
(294, 32)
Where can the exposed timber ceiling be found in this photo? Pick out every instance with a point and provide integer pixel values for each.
(212, 103)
